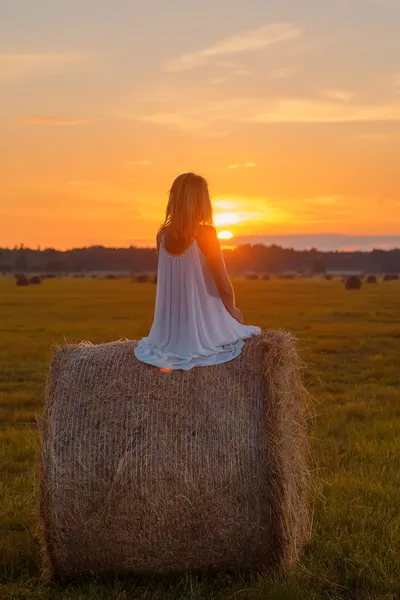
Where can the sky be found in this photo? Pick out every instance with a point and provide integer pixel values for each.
(291, 110)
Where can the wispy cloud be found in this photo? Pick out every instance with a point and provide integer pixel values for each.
(247, 165)
(16, 66)
(220, 117)
(293, 110)
(198, 118)
(247, 41)
(339, 95)
(52, 121)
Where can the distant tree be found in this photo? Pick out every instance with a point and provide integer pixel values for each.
(21, 263)
(54, 265)
(318, 266)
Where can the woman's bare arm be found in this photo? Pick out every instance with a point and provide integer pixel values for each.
(210, 246)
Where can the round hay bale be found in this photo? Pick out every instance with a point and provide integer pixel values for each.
(21, 280)
(143, 278)
(266, 277)
(390, 277)
(145, 471)
(328, 277)
(353, 283)
(36, 280)
(371, 279)
(252, 276)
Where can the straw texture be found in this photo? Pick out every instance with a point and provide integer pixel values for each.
(144, 471)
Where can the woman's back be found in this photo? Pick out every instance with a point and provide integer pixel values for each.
(191, 325)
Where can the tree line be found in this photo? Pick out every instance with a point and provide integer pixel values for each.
(248, 258)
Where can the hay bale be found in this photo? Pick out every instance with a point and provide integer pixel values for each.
(143, 278)
(353, 283)
(371, 279)
(251, 276)
(266, 277)
(390, 277)
(36, 280)
(21, 280)
(145, 471)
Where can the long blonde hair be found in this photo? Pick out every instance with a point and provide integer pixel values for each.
(189, 206)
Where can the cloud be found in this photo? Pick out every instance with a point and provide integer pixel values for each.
(247, 165)
(213, 119)
(247, 41)
(52, 121)
(16, 66)
(294, 110)
(340, 95)
(197, 119)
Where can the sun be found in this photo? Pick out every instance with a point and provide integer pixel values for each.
(225, 235)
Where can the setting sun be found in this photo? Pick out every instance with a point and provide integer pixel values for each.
(225, 235)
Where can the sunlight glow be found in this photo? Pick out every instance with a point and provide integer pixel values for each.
(225, 235)
(227, 218)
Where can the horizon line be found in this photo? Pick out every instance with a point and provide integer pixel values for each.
(321, 242)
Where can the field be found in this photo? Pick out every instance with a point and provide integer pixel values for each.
(350, 341)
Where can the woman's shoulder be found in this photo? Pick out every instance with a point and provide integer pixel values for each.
(207, 239)
(206, 232)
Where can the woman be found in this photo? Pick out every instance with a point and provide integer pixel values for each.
(196, 322)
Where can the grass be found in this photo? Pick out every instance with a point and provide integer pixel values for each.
(351, 342)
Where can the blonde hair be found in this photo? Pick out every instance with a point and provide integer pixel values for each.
(189, 206)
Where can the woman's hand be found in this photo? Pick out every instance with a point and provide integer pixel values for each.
(237, 314)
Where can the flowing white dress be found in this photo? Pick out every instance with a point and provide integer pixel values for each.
(191, 326)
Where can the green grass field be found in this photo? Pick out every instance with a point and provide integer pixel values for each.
(351, 344)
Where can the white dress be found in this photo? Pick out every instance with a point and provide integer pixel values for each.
(191, 326)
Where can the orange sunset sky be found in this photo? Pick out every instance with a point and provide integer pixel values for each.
(290, 109)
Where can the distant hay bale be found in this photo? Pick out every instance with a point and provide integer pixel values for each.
(266, 277)
(36, 280)
(353, 283)
(145, 471)
(371, 279)
(252, 276)
(329, 277)
(390, 277)
(143, 278)
(21, 280)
